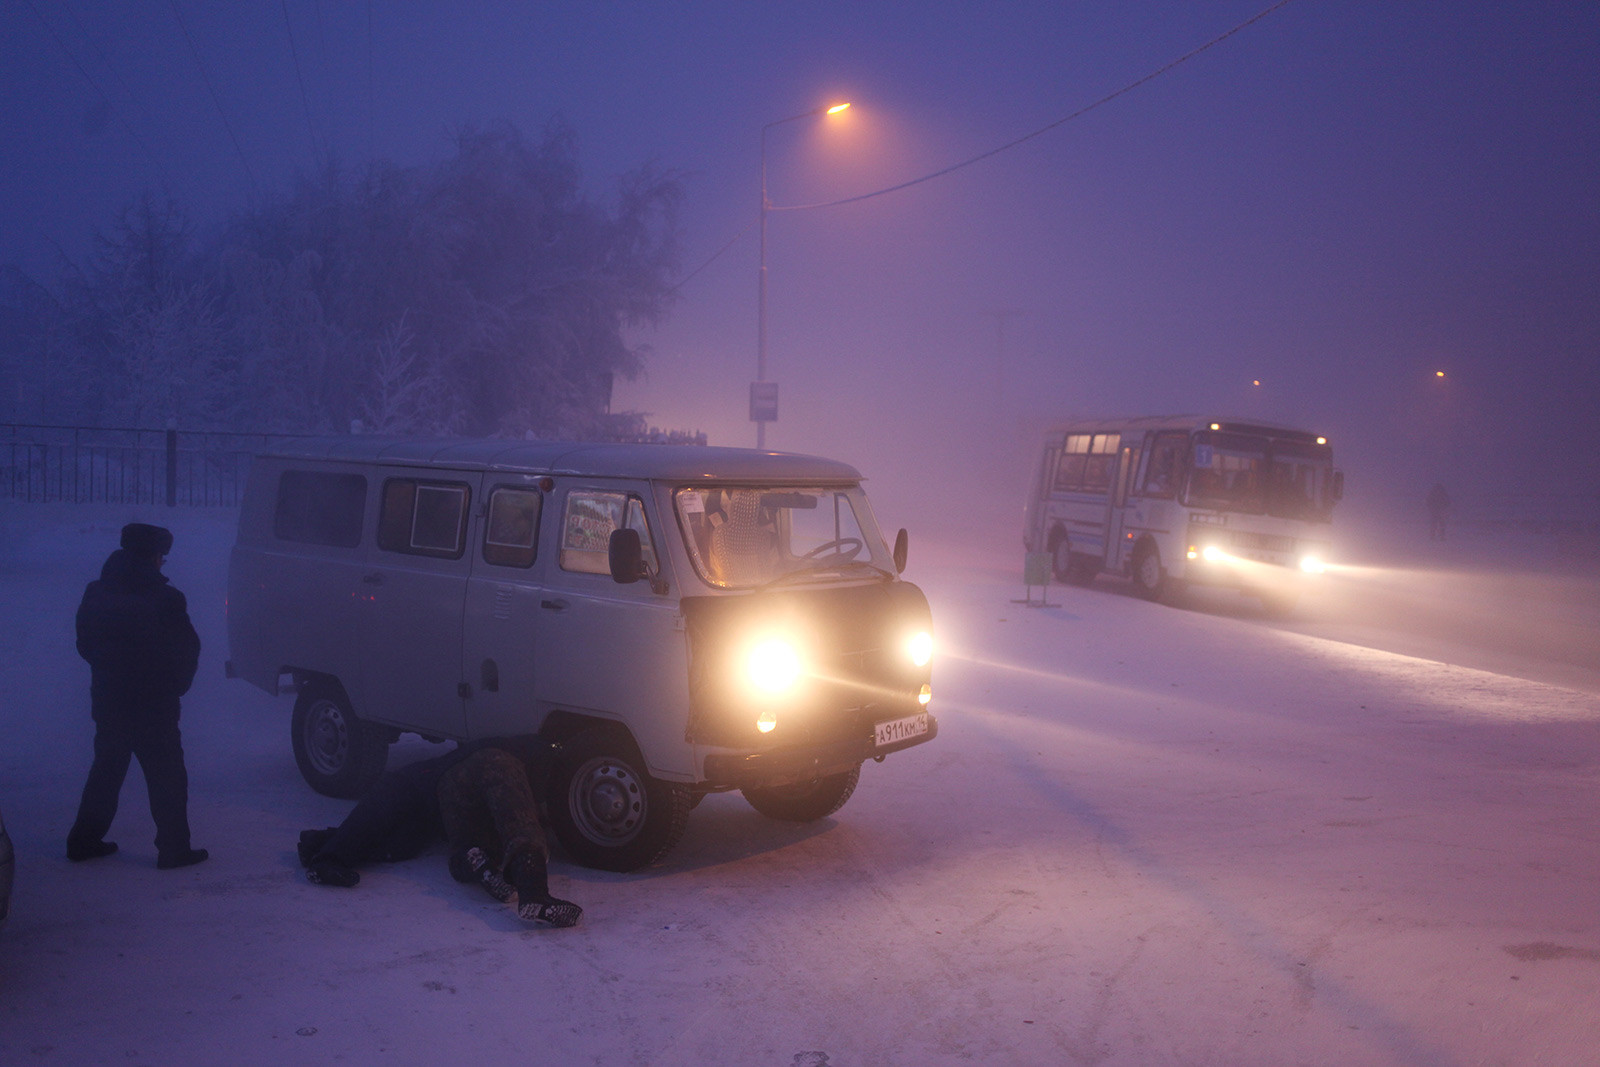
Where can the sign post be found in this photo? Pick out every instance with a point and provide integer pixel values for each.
(763, 407)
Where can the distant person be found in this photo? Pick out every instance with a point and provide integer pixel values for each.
(480, 798)
(1438, 511)
(133, 627)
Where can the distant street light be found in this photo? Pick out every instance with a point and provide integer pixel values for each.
(761, 393)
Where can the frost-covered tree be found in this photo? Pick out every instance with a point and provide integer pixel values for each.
(487, 293)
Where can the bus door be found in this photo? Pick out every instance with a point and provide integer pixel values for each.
(1117, 544)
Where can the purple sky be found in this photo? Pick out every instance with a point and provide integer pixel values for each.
(1339, 200)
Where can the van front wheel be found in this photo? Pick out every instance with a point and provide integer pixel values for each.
(805, 801)
(607, 811)
(338, 754)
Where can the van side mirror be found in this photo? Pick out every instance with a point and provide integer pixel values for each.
(626, 556)
(900, 544)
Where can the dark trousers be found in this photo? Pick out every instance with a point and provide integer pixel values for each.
(394, 820)
(486, 802)
(159, 748)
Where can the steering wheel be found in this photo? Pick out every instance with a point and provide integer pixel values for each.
(844, 548)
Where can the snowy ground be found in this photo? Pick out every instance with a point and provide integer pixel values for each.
(1369, 834)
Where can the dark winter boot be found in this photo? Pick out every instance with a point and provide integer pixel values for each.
(327, 871)
(311, 842)
(187, 858)
(534, 902)
(77, 852)
(487, 876)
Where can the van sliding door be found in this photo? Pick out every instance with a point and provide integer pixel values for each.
(413, 590)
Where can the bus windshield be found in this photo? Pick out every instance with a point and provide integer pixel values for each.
(1255, 475)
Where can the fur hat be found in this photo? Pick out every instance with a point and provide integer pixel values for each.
(142, 539)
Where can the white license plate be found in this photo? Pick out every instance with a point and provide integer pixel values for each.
(895, 730)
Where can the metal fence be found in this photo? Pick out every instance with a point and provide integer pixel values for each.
(80, 464)
(87, 465)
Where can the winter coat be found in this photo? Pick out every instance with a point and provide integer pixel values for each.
(135, 632)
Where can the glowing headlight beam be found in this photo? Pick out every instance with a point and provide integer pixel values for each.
(773, 666)
(920, 648)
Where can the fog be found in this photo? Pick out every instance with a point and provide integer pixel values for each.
(1306, 222)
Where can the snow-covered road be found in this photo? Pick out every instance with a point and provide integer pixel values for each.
(1366, 835)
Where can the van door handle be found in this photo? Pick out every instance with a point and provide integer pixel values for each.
(557, 604)
(375, 578)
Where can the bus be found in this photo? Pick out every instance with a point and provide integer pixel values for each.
(1175, 499)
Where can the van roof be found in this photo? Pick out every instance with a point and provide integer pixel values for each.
(680, 463)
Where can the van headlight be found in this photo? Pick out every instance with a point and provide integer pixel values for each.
(773, 666)
(1312, 565)
(920, 648)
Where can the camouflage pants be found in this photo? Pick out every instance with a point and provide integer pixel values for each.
(486, 802)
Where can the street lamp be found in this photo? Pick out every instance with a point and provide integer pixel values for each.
(768, 398)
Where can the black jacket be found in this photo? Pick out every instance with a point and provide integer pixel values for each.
(134, 629)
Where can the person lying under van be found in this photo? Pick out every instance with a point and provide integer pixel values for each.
(480, 798)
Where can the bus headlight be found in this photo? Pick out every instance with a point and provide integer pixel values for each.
(773, 666)
(920, 648)
(1312, 565)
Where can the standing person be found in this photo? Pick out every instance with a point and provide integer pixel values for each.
(1438, 511)
(491, 821)
(134, 629)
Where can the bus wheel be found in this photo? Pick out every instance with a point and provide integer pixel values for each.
(804, 801)
(1149, 577)
(606, 810)
(338, 754)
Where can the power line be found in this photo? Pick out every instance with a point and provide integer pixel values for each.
(155, 159)
(305, 99)
(1043, 129)
(993, 151)
(212, 89)
(714, 257)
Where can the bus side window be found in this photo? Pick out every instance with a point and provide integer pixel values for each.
(1161, 473)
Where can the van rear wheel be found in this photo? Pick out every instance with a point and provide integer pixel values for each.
(338, 754)
(805, 801)
(607, 811)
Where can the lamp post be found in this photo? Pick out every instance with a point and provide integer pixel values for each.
(761, 293)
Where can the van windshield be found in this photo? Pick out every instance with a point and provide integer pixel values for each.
(750, 536)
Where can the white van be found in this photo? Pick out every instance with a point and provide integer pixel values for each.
(682, 620)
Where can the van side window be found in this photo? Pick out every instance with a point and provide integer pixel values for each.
(423, 518)
(512, 531)
(586, 531)
(319, 508)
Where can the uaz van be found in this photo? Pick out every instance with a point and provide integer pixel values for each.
(682, 620)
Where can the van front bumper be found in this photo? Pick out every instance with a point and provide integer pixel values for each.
(786, 765)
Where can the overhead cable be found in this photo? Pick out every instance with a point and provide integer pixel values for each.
(1043, 129)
